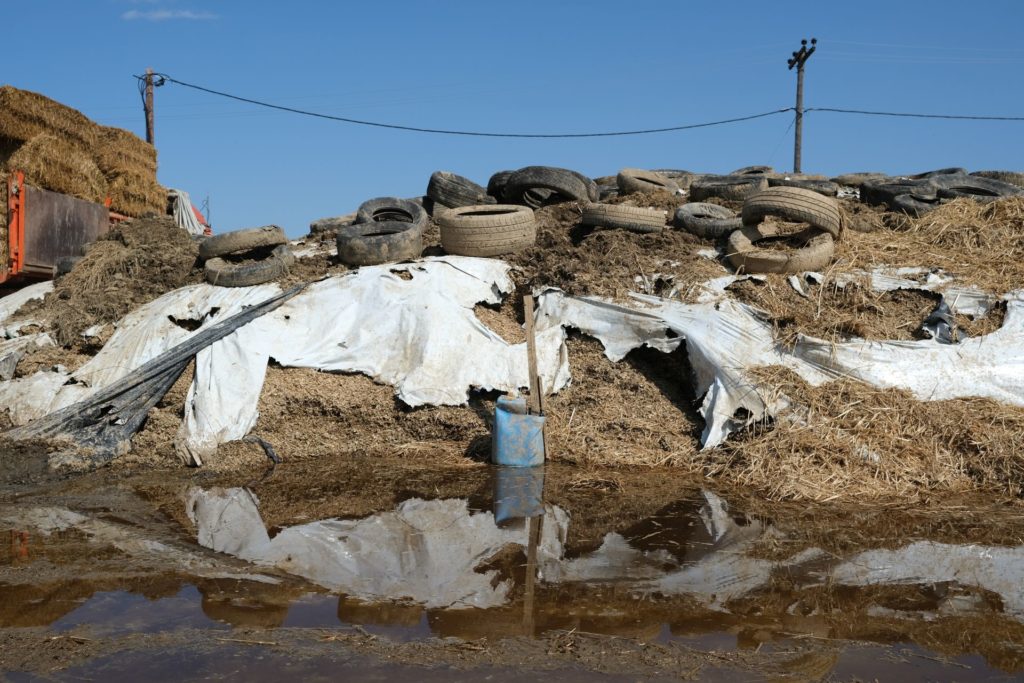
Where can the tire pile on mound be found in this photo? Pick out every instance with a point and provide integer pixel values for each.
(244, 258)
(384, 230)
(60, 149)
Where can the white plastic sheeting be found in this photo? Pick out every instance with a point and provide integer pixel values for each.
(425, 551)
(724, 338)
(10, 304)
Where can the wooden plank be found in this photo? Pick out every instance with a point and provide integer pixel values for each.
(536, 402)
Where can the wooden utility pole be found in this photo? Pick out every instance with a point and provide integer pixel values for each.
(798, 60)
(148, 105)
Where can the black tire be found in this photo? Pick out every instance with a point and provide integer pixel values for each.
(563, 184)
(1011, 177)
(825, 187)
(938, 173)
(795, 204)
(745, 256)
(709, 221)
(370, 244)
(496, 185)
(885, 191)
(606, 192)
(331, 223)
(452, 190)
(65, 265)
(973, 186)
(224, 273)
(241, 241)
(632, 180)
(753, 170)
(736, 188)
(857, 179)
(589, 183)
(487, 230)
(915, 206)
(632, 218)
(392, 209)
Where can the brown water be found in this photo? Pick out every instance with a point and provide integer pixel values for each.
(439, 589)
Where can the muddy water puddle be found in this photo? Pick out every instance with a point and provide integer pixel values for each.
(696, 576)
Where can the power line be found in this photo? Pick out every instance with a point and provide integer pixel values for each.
(917, 116)
(440, 131)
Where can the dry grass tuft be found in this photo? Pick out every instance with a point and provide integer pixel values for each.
(25, 114)
(848, 441)
(50, 163)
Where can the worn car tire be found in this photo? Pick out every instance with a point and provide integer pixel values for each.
(735, 188)
(331, 223)
(1012, 177)
(915, 206)
(370, 244)
(857, 179)
(973, 186)
(824, 187)
(939, 172)
(632, 218)
(795, 204)
(709, 221)
(753, 170)
(487, 230)
(224, 273)
(242, 240)
(745, 256)
(451, 190)
(877, 193)
(630, 180)
(496, 185)
(563, 185)
(390, 209)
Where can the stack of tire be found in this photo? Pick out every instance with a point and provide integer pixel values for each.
(537, 186)
(918, 194)
(821, 226)
(386, 230)
(244, 258)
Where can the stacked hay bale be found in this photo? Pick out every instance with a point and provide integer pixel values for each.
(60, 149)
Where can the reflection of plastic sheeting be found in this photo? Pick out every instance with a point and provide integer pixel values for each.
(425, 551)
(996, 569)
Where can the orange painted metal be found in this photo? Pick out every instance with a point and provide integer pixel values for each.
(15, 226)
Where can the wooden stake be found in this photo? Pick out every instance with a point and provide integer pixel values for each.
(536, 390)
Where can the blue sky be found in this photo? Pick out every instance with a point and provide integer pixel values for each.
(519, 66)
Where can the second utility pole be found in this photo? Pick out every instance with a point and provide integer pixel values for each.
(798, 60)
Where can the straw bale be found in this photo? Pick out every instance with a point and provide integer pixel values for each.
(25, 114)
(119, 151)
(136, 195)
(51, 164)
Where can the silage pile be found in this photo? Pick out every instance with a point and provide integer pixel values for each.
(60, 149)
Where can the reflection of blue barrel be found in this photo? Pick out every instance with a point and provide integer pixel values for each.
(518, 439)
(518, 493)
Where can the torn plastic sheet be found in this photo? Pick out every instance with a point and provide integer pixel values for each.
(427, 551)
(725, 338)
(10, 304)
(409, 325)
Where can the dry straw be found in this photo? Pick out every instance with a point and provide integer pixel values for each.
(137, 195)
(50, 163)
(120, 151)
(25, 114)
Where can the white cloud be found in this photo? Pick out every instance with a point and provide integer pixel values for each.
(167, 15)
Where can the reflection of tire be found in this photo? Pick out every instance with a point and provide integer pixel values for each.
(527, 185)
(736, 188)
(915, 206)
(452, 190)
(242, 240)
(224, 273)
(630, 180)
(487, 230)
(632, 218)
(369, 244)
(388, 209)
(825, 187)
(1011, 177)
(744, 254)
(885, 191)
(709, 221)
(795, 204)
